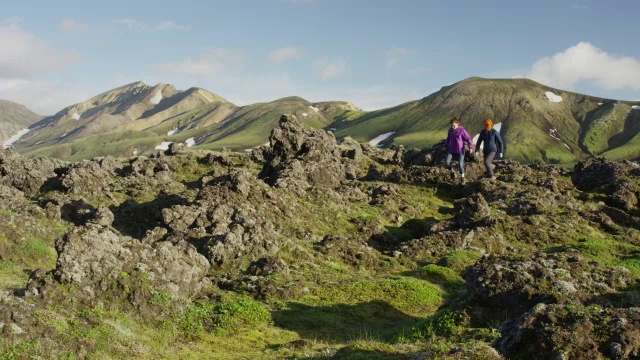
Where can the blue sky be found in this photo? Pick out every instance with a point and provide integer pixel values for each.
(373, 53)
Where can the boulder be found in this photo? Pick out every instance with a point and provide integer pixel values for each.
(300, 158)
(553, 331)
(26, 174)
(94, 257)
(517, 284)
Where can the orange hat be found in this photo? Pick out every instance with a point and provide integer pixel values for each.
(487, 123)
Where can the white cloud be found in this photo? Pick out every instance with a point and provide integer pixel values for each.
(136, 25)
(328, 69)
(397, 54)
(71, 25)
(41, 97)
(170, 25)
(587, 63)
(22, 54)
(283, 54)
(213, 62)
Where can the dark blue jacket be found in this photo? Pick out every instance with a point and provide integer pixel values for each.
(492, 141)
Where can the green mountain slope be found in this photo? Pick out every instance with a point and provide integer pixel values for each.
(538, 123)
(534, 126)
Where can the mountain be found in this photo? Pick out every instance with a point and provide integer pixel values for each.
(136, 119)
(537, 122)
(14, 118)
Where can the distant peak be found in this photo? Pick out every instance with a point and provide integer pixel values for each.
(290, 98)
(134, 84)
(205, 93)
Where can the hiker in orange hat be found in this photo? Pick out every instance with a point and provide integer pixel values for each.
(492, 145)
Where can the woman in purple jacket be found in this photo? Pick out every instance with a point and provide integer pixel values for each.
(455, 146)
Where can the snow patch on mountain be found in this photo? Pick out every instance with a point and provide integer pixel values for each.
(164, 145)
(553, 97)
(314, 108)
(173, 132)
(190, 142)
(380, 138)
(11, 142)
(75, 116)
(155, 100)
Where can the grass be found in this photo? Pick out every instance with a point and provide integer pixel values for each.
(606, 122)
(25, 245)
(610, 252)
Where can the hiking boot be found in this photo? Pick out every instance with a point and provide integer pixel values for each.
(463, 181)
(493, 178)
(453, 175)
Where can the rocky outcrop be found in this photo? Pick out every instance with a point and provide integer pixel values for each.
(352, 251)
(25, 174)
(568, 332)
(85, 177)
(472, 211)
(518, 284)
(300, 158)
(94, 258)
(619, 180)
(229, 220)
(13, 199)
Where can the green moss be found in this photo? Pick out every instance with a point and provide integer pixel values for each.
(459, 260)
(607, 251)
(448, 278)
(408, 295)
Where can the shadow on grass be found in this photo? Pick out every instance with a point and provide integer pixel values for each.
(192, 185)
(341, 323)
(396, 235)
(349, 353)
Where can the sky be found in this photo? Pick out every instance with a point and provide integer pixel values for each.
(373, 53)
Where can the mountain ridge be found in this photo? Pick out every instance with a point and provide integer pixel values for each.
(539, 123)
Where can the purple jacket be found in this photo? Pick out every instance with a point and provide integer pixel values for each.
(455, 140)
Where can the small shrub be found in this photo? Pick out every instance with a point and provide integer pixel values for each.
(445, 323)
(160, 298)
(241, 311)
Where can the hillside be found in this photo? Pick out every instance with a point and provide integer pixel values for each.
(310, 249)
(538, 122)
(137, 119)
(14, 118)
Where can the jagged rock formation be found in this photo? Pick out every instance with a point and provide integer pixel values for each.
(300, 158)
(93, 257)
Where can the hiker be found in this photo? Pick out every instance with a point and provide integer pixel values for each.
(492, 145)
(455, 146)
